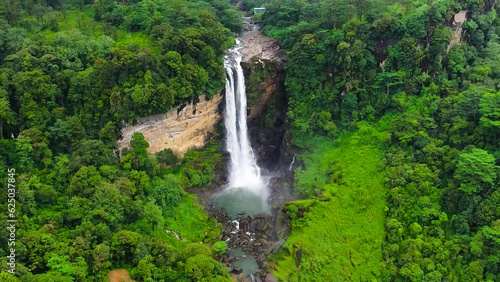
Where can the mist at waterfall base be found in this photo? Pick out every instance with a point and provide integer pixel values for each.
(246, 192)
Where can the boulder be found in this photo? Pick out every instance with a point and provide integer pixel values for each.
(270, 278)
(243, 277)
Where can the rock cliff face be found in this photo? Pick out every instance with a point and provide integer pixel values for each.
(457, 23)
(260, 47)
(263, 62)
(180, 129)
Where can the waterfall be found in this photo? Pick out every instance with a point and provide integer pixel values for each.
(244, 173)
(246, 193)
(291, 164)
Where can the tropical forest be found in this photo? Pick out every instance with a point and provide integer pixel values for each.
(249, 140)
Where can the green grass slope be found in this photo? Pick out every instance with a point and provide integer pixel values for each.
(339, 234)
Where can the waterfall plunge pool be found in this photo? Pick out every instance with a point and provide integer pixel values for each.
(240, 200)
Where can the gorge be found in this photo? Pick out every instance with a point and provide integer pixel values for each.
(246, 200)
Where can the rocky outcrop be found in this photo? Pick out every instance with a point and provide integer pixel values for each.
(180, 129)
(458, 20)
(262, 61)
(259, 46)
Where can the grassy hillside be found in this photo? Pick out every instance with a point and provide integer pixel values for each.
(340, 232)
(363, 61)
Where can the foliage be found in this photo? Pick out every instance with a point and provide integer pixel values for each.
(354, 65)
(338, 233)
(199, 167)
(219, 247)
(72, 74)
(167, 157)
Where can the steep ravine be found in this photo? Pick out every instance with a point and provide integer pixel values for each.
(262, 234)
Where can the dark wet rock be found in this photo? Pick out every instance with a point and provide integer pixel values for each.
(282, 225)
(274, 248)
(243, 277)
(261, 257)
(236, 270)
(270, 278)
(227, 260)
(298, 257)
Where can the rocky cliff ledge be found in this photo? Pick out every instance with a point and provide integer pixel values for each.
(256, 45)
(180, 129)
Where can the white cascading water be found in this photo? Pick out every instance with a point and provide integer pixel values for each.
(246, 192)
(244, 173)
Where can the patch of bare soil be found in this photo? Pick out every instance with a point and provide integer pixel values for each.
(119, 275)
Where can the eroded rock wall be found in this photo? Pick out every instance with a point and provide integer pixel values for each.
(263, 65)
(457, 23)
(180, 129)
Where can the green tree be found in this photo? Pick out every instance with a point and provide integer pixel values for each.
(91, 153)
(199, 267)
(7, 277)
(145, 267)
(62, 265)
(489, 107)
(167, 156)
(6, 114)
(101, 258)
(84, 182)
(219, 247)
(475, 171)
(109, 205)
(25, 153)
(77, 210)
(123, 245)
(167, 192)
(139, 149)
(153, 215)
(67, 133)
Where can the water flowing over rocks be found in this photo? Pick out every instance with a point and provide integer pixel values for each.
(258, 235)
(255, 235)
